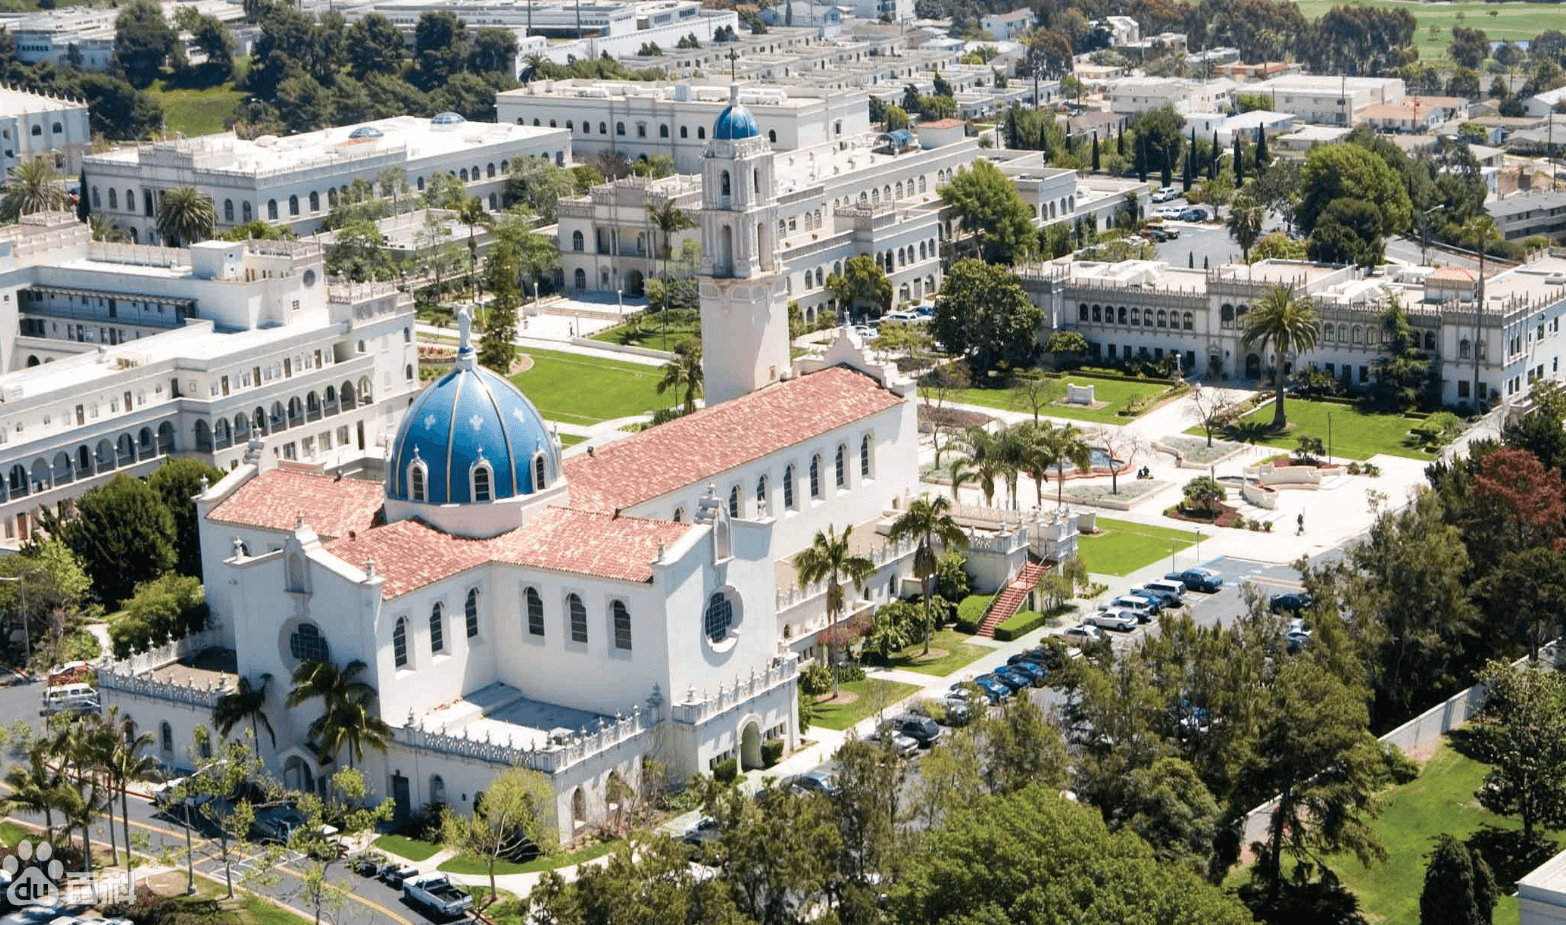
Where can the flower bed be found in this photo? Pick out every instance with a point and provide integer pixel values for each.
(1195, 451)
(950, 418)
(1131, 490)
(1226, 517)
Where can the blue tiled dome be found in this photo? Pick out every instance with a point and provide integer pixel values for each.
(734, 123)
(467, 417)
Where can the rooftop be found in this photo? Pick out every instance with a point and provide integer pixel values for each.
(499, 713)
(280, 498)
(15, 101)
(657, 461)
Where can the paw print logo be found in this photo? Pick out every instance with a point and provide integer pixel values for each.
(34, 873)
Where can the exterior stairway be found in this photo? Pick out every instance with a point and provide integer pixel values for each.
(1011, 597)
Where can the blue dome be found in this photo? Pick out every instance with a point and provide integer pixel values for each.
(464, 419)
(735, 123)
(365, 131)
(447, 118)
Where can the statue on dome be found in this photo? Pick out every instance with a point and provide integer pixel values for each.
(464, 329)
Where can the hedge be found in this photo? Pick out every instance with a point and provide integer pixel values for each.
(771, 752)
(725, 771)
(970, 612)
(1025, 621)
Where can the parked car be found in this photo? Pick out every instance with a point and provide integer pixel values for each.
(1192, 717)
(1082, 634)
(1152, 600)
(1164, 194)
(1198, 579)
(1289, 602)
(817, 781)
(1145, 606)
(368, 863)
(697, 836)
(925, 311)
(1117, 618)
(1034, 673)
(902, 317)
(921, 729)
(1136, 240)
(1172, 592)
(993, 688)
(958, 712)
(437, 895)
(395, 872)
(905, 746)
(1193, 215)
(277, 825)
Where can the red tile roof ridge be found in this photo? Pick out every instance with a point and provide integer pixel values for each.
(278, 498)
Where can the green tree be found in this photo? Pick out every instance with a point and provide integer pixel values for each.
(245, 704)
(862, 283)
(494, 51)
(989, 208)
(125, 763)
(440, 48)
(177, 483)
(50, 592)
(143, 41)
(32, 186)
(1245, 223)
(894, 117)
(670, 220)
(1060, 444)
(375, 47)
(1286, 324)
(1542, 431)
(1278, 246)
(1159, 137)
(1459, 887)
(1523, 738)
(830, 558)
(472, 213)
(983, 314)
(1348, 232)
(1205, 493)
(185, 216)
(117, 110)
(123, 535)
(347, 719)
(358, 251)
(515, 814)
(930, 521)
(683, 374)
(1352, 172)
(346, 807)
(1173, 811)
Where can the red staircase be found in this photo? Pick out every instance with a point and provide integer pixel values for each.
(1011, 598)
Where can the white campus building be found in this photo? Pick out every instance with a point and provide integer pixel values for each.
(118, 356)
(296, 180)
(579, 614)
(37, 125)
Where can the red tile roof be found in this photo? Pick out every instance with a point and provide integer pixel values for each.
(942, 123)
(1453, 275)
(331, 507)
(410, 554)
(694, 448)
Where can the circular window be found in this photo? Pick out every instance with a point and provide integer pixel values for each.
(306, 644)
(309, 278)
(719, 618)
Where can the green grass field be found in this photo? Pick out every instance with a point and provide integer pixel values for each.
(870, 695)
(197, 112)
(1117, 392)
(1356, 434)
(1510, 20)
(463, 864)
(959, 652)
(650, 336)
(410, 848)
(1121, 547)
(587, 390)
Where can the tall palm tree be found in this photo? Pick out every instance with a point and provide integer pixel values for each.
(1013, 457)
(1037, 458)
(985, 459)
(185, 216)
(346, 720)
(105, 230)
(34, 787)
(246, 704)
(683, 373)
(961, 472)
(1288, 325)
(1063, 443)
(670, 221)
(33, 186)
(1480, 233)
(126, 763)
(830, 557)
(930, 521)
(473, 214)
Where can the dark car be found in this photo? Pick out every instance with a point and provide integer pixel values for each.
(1036, 674)
(958, 712)
(394, 873)
(697, 837)
(992, 688)
(1155, 602)
(1015, 680)
(1289, 602)
(921, 729)
(1198, 579)
(815, 782)
(368, 863)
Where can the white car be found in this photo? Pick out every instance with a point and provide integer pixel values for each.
(1164, 194)
(1082, 634)
(1167, 212)
(1134, 605)
(1117, 618)
(903, 317)
(1136, 240)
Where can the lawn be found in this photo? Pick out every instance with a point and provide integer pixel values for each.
(959, 652)
(570, 439)
(197, 112)
(257, 911)
(465, 864)
(1121, 547)
(650, 336)
(1440, 800)
(1116, 392)
(11, 833)
(1510, 20)
(870, 695)
(410, 848)
(1356, 434)
(587, 390)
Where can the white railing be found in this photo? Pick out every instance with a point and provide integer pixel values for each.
(166, 654)
(878, 557)
(698, 707)
(1000, 543)
(195, 695)
(547, 755)
(988, 515)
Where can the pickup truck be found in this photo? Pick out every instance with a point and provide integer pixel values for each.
(437, 895)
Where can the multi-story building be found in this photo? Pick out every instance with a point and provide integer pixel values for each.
(296, 180)
(83, 37)
(35, 125)
(1007, 26)
(121, 355)
(1328, 100)
(1151, 310)
(1524, 215)
(1131, 95)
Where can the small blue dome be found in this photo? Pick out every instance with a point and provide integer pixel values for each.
(448, 118)
(365, 131)
(734, 123)
(470, 419)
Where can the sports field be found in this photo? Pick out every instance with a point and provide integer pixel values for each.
(1516, 21)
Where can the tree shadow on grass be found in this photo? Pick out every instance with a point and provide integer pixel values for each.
(1304, 902)
(1466, 742)
(1509, 855)
(1250, 431)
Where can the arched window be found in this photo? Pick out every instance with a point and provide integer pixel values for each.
(1122, 313)
(400, 643)
(663, 131)
(228, 209)
(761, 496)
(603, 128)
(1082, 312)
(166, 737)
(1464, 349)
(1163, 318)
(701, 132)
(864, 457)
(734, 501)
(723, 183)
(619, 128)
(437, 629)
(306, 644)
(576, 241)
(622, 625)
(788, 487)
(578, 612)
(1429, 340)
(1136, 316)
(470, 611)
(37, 130)
(114, 199)
(271, 210)
(719, 617)
(1189, 321)
(244, 210)
(481, 481)
(293, 205)
(535, 611)
(840, 466)
(815, 476)
(437, 790)
(539, 482)
(315, 201)
(772, 135)
(416, 482)
(1098, 313)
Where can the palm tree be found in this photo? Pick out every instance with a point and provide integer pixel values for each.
(1063, 443)
(929, 521)
(33, 186)
(1013, 457)
(1479, 232)
(127, 763)
(33, 786)
(830, 557)
(1245, 223)
(961, 473)
(185, 216)
(246, 704)
(394, 182)
(105, 230)
(984, 460)
(346, 719)
(683, 373)
(1288, 325)
(473, 214)
(670, 221)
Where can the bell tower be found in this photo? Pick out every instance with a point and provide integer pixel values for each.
(744, 308)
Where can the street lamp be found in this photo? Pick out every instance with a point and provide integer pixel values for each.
(1329, 438)
(27, 634)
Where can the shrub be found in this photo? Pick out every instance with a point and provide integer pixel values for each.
(807, 710)
(771, 752)
(1440, 428)
(934, 709)
(168, 607)
(847, 673)
(951, 580)
(1204, 493)
(1023, 622)
(816, 679)
(970, 612)
(725, 771)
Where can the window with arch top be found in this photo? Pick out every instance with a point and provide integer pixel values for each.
(416, 482)
(400, 643)
(470, 611)
(482, 477)
(723, 184)
(622, 625)
(437, 630)
(788, 487)
(538, 472)
(840, 466)
(306, 644)
(578, 612)
(535, 611)
(734, 501)
(864, 457)
(719, 618)
(761, 496)
(815, 476)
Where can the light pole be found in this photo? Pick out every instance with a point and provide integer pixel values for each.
(27, 633)
(1329, 438)
(1173, 545)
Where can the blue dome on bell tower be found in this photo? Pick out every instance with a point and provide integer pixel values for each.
(735, 121)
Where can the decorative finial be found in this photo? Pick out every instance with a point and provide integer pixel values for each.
(369, 569)
(464, 330)
(660, 552)
(298, 520)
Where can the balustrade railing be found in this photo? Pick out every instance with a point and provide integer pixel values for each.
(543, 754)
(698, 706)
